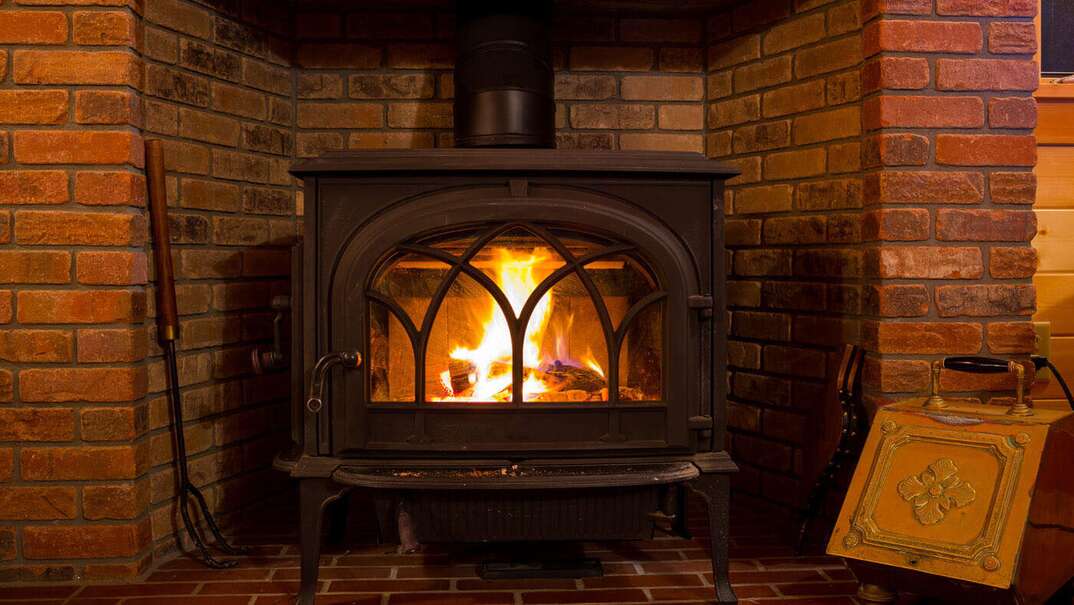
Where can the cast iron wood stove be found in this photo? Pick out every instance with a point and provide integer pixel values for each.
(511, 343)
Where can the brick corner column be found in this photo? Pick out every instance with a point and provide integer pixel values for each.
(73, 340)
(948, 157)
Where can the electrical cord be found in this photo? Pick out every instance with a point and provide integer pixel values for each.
(1041, 362)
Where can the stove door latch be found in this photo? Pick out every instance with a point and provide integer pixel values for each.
(702, 303)
(347, 359)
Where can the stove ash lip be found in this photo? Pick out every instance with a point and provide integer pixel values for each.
(504, 75)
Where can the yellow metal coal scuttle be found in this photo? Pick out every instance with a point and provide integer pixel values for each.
(969, 503)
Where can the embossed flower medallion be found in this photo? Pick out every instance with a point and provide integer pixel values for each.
(936, 491)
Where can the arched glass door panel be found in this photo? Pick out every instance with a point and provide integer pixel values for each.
(518, 314)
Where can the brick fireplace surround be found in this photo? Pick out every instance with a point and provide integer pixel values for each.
(886, 154)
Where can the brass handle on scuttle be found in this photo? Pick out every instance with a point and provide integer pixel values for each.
(980, 365)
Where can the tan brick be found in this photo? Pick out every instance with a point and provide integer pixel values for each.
(616, 116)
(772, 198)
(1013, 187)
(78, 147)
(33, 187)
(32, 27)
(924, 337)
(762, 137)
(80, 306)
(112, 345)
(834, 194)
(828, 57)
(33, 106)
(795, 33)
(37, 503)
(734, 52)
(662, 142)
(36, 227)
(172, 84)
(319, 86)
(76, 67)
(116, 501)
(35, 267)
(826, 126)
(663, 88)
(924, 187)
(928, 262)
(762, 74)
(794, 99)
(340, 115)
(263, 76)
(107, 107)
(113, 423)
(160, 45)
(734, 111)
(110, 188)
(397, 86)
(82, 384)
(113, 268)
(795, 164)
(180, 16)
(103, 28)
(208, 127)
(83, 540)
(681, 117)
(420, 115)
(1012, 38)
(238, 101)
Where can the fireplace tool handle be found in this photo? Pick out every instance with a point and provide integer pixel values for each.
(168, 333)
(315, 397)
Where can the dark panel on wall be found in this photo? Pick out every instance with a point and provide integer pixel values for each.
(1057, 37)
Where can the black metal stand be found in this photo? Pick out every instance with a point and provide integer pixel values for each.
(314, 496)
(186, 488)
(715, 490)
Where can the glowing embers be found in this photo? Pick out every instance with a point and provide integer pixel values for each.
(522, 312)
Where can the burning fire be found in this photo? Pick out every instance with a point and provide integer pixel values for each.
(484, 373)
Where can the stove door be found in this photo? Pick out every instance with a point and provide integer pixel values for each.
(494, 324)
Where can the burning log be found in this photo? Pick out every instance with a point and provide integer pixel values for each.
(462, 375)
(564, 377)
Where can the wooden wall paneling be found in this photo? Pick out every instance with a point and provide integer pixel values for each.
(1055, 175)
(1054, 123)
(1055, 302)
(1055, 240)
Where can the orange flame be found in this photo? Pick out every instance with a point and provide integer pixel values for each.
(517, 277)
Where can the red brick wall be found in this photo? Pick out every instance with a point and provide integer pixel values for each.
(886, 152)
(73, 343)
(883, 200)
(949, 154)
(86, 449)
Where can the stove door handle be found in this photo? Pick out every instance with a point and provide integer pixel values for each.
(347, 359)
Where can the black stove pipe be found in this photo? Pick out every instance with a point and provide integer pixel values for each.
(503, 75)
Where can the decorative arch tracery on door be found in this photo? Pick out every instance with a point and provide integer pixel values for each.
(520, 312)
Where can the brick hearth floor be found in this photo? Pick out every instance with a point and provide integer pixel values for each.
(664, 570)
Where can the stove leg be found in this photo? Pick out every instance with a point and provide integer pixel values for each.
(715, 490)
(314, 496)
